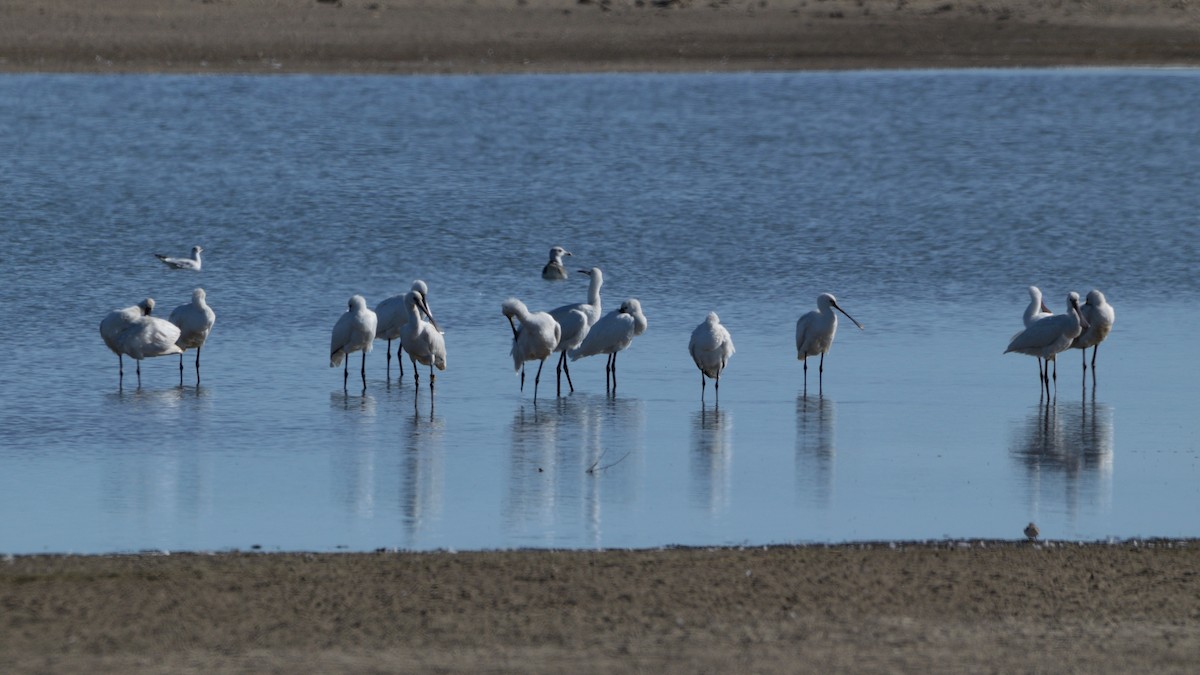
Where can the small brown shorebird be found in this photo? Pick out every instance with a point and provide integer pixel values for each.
(1031, 531)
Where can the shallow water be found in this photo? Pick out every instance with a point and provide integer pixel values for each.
(926, 201)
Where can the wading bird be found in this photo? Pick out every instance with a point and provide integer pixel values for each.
(146, 337)
(192, 263)
(554, 270)
(814, 334)
(710, 347)
(1046, 337)
(574, 330)
(194, 319)
(353, 332)
(1036, 310)
(118, 320)
(391, 317)
(534, 340)
(422, 339)
(611, 334)
(1100, 317)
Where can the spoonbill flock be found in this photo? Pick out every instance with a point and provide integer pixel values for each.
(1047, 335)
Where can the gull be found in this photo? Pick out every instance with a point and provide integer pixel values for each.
(611, 334)
(534, 340)
(118, 320)
(554, 269)
(1048, 336)
(192, 263)
(1100, 317)
(146, 337)
(194, 319)
(576, 320)
(422, 339)
(710, 347)
(814, 334)
(392, 316)
(353, 332)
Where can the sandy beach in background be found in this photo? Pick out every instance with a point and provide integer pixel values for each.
(489, 36)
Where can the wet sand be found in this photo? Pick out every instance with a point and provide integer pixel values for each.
(1128, 607)
(485, 36)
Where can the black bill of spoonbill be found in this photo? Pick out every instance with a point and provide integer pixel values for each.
(190, 263)
(422, 339)
(814, 334)
(1100, 317)
(392, 317)
(710, 347)
(1036, 310)
(118, 320)
(573, 329)
(353, 332)
(535, 340)
(555, 270)
(147, 337)
(195, 320)
(1048, 336)
(612, 334)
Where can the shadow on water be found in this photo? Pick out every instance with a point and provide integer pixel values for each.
(422, 479)
(1066, 451)
(563, 453)
(712, 458)
(816, 421)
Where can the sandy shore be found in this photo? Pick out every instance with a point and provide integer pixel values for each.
(460, 36)
(958, 607)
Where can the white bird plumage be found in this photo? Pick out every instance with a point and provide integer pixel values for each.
(421, 339)
(192, 263)
(353, 332)
(392, 316)
(1036, 310)
(555, 270)
(815, 331)
(147, 337)
(535, 340)
(195, 320)
(118, 320)
(710, 347)
(1100, 317)
(1048, 336)
(576, 320)
(612, 334)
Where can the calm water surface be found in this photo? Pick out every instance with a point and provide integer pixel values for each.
(926, 202)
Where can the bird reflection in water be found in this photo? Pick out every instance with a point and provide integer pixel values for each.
(422, 476)
(712, 458)
(815, 449)
(1067, 453)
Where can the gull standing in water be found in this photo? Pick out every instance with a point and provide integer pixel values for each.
(554, 270)
(576, 320)
(353, 332)
(194, 319)
(1046, 337)
(146, 337)
(422, 339)
(611, 334)
(392, 316)
(814, 335)
(1100, 317)
(710, 347)
(1036, 310)
(192, 263)
(534, 340)
(118, 320)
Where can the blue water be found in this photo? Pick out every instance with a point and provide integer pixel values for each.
(926, 201)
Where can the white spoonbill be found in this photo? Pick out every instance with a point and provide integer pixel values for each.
(1100, 317)
(392, 316)
(422, 339)
(710, 347)
(611, 334)
(534, 340)
(1046, 337)
(554, 270)
(575, 321)
(814, 334)
(353, 332)
(192, 263)
(1036, 310)
(146, 337)
(194, 319)
(118, 320)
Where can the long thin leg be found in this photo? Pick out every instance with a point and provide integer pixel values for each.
(608, 374)
(399, 360)
(345, 371)
(364, 368)
(416, 374)
(717, 385)
(432, 375)
(805, 360)
(614, 360)
(181, 369)
(536, 378)
(1055, 374)
(197, 366)
(567, 371)
(120, 370)
(523, 377)
(821, 375)
(1094, 350)
(389, 360)
(558, 374)
(702, 385)
(139, 372)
